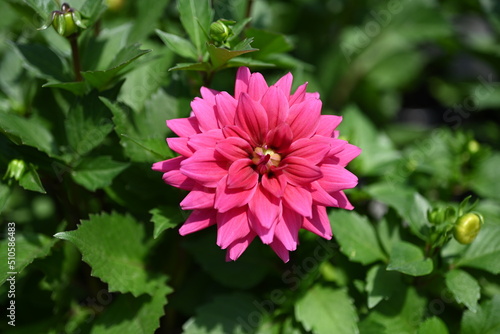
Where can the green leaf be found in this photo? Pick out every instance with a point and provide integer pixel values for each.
(399, 314)
(114, 246)
(102, 79)
(179, 45)
(78, 88)
(409, 259)
(268, 42)
(31, 181)
(464, 287)
(485, 320)
(381, 284)
(356, 236)
(484, 180)
(484, 251)
(27, 131)
(409, 204)
(165, 217)
(97, 172)
(92, 10)
(4, 195)
(196, 16)
(142, 134)
(250, 269)
(220, 56)
(378, 151)
(28, 247)
(128, 315)
(43, 62)
(204, 67)
(325, 310)
(227, 314)
(433, 325)
(249, 62)
(148, 13)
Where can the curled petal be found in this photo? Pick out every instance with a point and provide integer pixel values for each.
(238, 247)
(179, 145)
(227, 199)
(275, 184)
(231, 226)
(312, 150)
(234, 148)
(209, 95)
(205, 114)
(287, 229)
(319, 223)
(242, 175)
(336, 178)
(264, 212)
(225, 109)
(276, 105)
(327, 125)
(298, 199)
(176, 179)
(303, 118)
(252, 118)
(198, 220)
(342, 201)
(299, 172)
(343, 157)
(205, 140)
(280, 250)
(280, 137)
(242, 80)
(205, 167)
(235, 131)
(168, 165)
(184, 127)
(199, 198)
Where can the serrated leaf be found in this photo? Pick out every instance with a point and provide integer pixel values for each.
(485, 320)
(27, 131)
(179, 45)
(128, 315)
(113, 245)
(409, 259)
(97, 172)
(191, 67)
(325, 310)
(225, 314)
(356, 236)
(381, 284)
(102, 79)
(433, 325)
(164, 218)
(464, 288)
(31, 181)
(409, 204)
(28, 247)
(196, 16)
(220, 56)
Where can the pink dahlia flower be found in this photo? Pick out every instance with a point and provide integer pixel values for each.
(263, 162)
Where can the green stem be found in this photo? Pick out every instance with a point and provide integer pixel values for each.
(73, 40)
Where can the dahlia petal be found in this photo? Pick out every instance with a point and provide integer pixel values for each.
(314, 95)
(205, 114)
(204, 167)
(342, 201)
(327, 124)
(347, 154)
(299, 95)
(179, 145)
(285, 84)
(287, 229)
(280, 137)
(321, 197)
(231, 226)
(313, 150)
(237, 248)
(303, 118)
(168, 165)
(319, 223)
(234, 148)
(208, 94)
(266, 234)
(184, 127)
(176, 179)
(299, 172)
(265, 207)
(198, 220)
(275, 184)
(276, 105)
(298, 199)
(235, 131)
(225, 109)
(242, 80)
(252, 118)
(205, 140)
(336, 178)
(278, 247)
(199, 198)
(227, 199)
(257, 86)
(241, 175)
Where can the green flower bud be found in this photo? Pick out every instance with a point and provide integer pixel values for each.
(66, 22)
(15, 169)
(220, 31)
(467, 227)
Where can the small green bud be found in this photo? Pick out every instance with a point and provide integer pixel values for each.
(15, 169)
(66, 22)
(467, 227)
(220, 31)
(473, 146)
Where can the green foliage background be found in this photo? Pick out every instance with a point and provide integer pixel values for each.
(97, 247)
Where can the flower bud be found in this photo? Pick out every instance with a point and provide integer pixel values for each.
(220, 31)
(15, 169)
(467, 227)
(66, 21)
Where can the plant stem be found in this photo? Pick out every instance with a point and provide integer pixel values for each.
(73, 40)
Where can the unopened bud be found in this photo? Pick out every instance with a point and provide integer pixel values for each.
(220, 31)
(15, 169)
(467, 227)
(66, 21)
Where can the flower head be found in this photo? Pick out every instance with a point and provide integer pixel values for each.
(263, 162)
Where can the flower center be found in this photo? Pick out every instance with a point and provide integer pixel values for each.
(264, 159)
